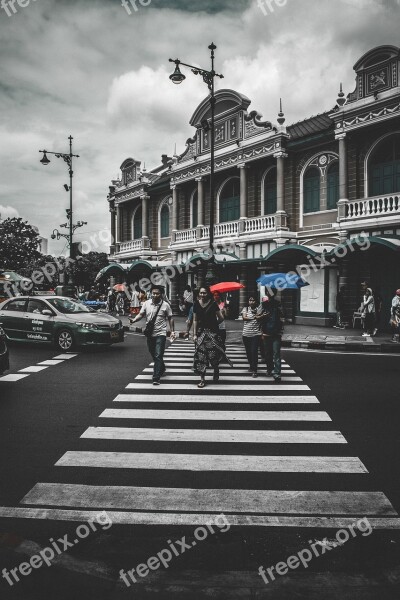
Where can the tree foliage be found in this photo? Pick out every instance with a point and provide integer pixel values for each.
(19, 243)
(87, 267)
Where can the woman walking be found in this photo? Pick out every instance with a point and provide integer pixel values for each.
(209, 349)
(368, 310)
(251, 333)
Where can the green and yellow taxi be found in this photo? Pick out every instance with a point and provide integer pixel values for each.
(65, 322)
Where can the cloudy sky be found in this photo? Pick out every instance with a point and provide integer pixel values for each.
(91, 69)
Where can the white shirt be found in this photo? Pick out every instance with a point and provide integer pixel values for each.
(149, 309)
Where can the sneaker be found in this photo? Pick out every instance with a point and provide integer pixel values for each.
(375, 331)
(254, 375)
(277, 379)
(156, 382)
(249, 370)
(365, 335)
(269, 373)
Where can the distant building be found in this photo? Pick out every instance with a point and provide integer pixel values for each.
(43, 242)
(324, 192)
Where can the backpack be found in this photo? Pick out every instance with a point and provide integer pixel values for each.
(272, 324)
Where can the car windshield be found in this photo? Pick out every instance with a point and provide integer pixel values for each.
(68, 306)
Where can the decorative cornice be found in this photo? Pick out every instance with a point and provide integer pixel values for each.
(244, 155)
(365, 118)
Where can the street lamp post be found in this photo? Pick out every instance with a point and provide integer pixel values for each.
(208, 78)
(68, 188)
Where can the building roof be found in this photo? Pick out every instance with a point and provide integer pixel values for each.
(316, 124)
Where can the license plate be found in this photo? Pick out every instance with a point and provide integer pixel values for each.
(114, 335)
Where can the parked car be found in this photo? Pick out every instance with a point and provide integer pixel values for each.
(63, 321)
(4, 360)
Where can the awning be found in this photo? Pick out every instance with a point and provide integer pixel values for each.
(289, 249)
(361, 241)
(221, 257)
(148, 264)
(110, 268)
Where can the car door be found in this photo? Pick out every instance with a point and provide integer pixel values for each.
(12, 318)
(38, 326)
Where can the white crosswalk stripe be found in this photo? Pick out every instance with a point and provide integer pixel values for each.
(293, 441)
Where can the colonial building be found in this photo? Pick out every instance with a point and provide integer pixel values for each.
(323, 192)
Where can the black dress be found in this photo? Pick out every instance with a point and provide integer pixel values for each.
(209, 348)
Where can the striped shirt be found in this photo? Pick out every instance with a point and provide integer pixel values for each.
(251, 328)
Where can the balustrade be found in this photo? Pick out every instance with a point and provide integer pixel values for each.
(373, 207)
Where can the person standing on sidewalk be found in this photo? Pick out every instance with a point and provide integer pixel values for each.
(272, 321)
(395, 316)
(251, 334)
(340, 304)
(368, 311)
(188, 298)
(157, 313)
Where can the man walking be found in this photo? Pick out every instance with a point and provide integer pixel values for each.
(157, 313)
(272, 320)
(395, 316)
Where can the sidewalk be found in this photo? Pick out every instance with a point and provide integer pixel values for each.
(303, 336)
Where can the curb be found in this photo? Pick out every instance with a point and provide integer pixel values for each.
(366, 347)
(384, 347)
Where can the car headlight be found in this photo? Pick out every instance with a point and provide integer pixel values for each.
(87, 325)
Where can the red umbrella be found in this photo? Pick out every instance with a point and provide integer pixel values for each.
(119, 287)
(226, 286)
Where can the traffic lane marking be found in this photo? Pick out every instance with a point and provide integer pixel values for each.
(213, 462)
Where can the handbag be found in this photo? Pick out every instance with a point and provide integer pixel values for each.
(148, 330)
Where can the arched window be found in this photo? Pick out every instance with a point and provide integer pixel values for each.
(270, 183)
(194, 209)
(229, 201)
(137, 223)
(164, 222)
(333, 186)
(384, 167)
(311, 190)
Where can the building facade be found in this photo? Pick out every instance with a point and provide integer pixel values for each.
(321, 196)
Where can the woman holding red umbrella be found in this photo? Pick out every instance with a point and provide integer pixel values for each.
(206, 336)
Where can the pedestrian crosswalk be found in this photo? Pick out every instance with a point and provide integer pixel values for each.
(261, 452)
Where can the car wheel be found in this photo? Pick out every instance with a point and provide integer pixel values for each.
(65, 340)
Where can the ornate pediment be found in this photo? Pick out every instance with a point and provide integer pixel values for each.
(376, 71)
(130, 169)
(232, 124)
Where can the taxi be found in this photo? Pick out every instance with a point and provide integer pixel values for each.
(65, 322)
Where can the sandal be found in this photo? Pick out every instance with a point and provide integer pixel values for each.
(201, 384)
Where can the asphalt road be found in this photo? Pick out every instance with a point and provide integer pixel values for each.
(44, 415)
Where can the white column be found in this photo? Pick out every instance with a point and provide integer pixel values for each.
(174, 208)
(343, 191)
(243, 191)
(200, 201)
(280, 216)
(145, 220)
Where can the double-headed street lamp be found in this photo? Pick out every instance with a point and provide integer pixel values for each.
(208, 78)
(68, 188)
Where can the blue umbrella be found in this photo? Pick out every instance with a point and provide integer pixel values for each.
(282, 281)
